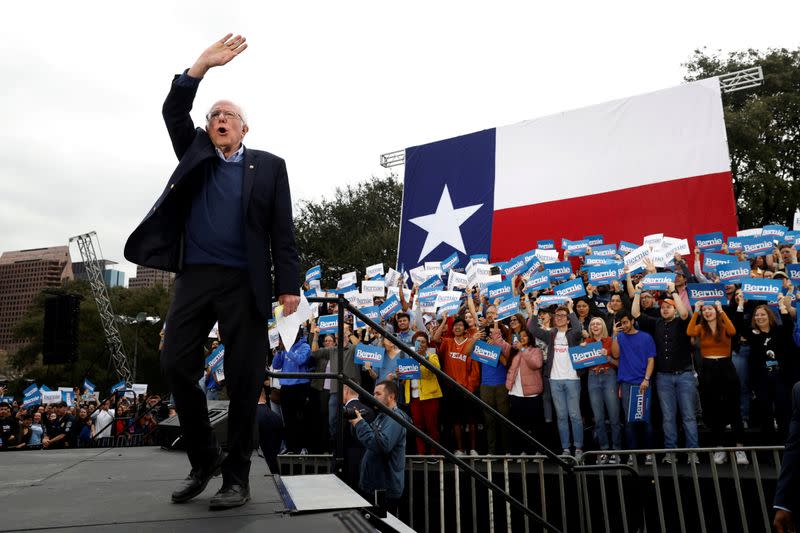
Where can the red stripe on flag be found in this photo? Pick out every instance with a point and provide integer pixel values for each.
(678, 208)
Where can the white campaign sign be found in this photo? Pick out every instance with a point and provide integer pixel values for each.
(375, 270)
(373, 288)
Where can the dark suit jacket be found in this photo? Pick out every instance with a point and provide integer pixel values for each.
(787, 491)
(353, 449)
(269, 232)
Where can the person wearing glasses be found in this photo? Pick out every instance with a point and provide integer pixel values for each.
(224, 224)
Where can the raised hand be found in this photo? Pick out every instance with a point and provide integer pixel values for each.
(218, 54)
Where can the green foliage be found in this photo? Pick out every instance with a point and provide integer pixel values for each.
(358, 228)
(93, 359)
(763, 127)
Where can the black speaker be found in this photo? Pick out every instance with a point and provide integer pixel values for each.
(60, 338)
(168, 433)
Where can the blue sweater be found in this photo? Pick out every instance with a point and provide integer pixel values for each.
(297, 359)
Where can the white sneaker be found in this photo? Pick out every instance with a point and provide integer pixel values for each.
(578, 454)
(741, 458)
(473, 452)
(720, 458)
(648, 459)
(566, 453)
(693, 458)
(669, 458)
(459, 453)
(613, 459)
(304, 452)
(603, 459)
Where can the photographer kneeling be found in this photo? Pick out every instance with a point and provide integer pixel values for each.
(383, 464)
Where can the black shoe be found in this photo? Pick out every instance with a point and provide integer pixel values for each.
(229, 496)
(197, 480)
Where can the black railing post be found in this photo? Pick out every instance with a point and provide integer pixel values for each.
(338, 458)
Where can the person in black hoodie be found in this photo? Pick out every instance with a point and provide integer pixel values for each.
(9, 427)
(772, 366)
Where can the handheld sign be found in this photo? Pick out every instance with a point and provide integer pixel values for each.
(450, 308)
(607, 250)
(635, 260)
(30, 391)
(594, 240)
(430, 290)
(373, 288)
(734, 272)
(712, 261)
(486, 353)
(450, 263)
(709, 242)
(653, 241)
(508, 308)
(547, 256)
(576, 248)
(216, 359)
(595, 260)
(390, 307)
(793, 271)
(418, 275)
(791, 237)
(50, 397)
(433, 268)
(366, 353)
(33, 399)
(757, 246)
(587, 356)
(515, 266)
(735, 244)
(500, 290)
(774, 232)
(604, 274)
(530, 255)
(638, 405)
(118, 387)
(532, 269)
(408, 368)
(658, 282)
(761, 289)
(273, 335)
(328, 324)
(372, 312)
(551, 299)
(537, 282)
(708, 293)
(479, 258)
(456, 280)
(626, 247)
(392, 277)
(88, 386)
(374, 270)
(446, 297)
(559, 271)
(570, 289)
(313, 273)
(546, 245)
(673, 246)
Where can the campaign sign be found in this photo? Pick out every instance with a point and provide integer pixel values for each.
(533, 268)
(586, 356)
(735, 244)
(500, 290)
(774, 232)
(456, 280)
(793, 270)
(551, 299)
(391, 278)
(328, 324)
(508, 308)
(708, 293)
(571, 289)
(310, 293)
(709, 242)
(418, 275)
(538, 281)
(88, 386)
(712, 261)
(654, 240)
(366, 353)
(607, 250)
(68, 397)
(604, 274)
(514, 266)
(750, 232)
(408, 368)
(662, 258)
(372, 312)
(373, 287)
(530, 255)
(313, 273)
(50, 397)
(450, 263)
(273, 336)
(761, 289)
(673, 246)
(594, 260)
(658, 282)
(118, 387)
(44, 388)
(546, 245)
(638, 405)
(451, 308)
(733, 272)
(594, 240)
(547, 256)
(559, 271)
(33, 399)
(30, 391)
(626, 247)
(431, 290)
(390, 307)
(486, 353)
(635, 260)
(577, 247)
(216, 358)
(374, 270)
(757, 246)
(433, 268)
(479, 259)
(347, 289)
(7, 399)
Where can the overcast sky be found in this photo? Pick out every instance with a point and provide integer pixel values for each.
(329, 86)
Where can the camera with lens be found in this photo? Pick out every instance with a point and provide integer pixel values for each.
(349, 413)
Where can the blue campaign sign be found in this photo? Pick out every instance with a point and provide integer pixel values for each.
(118, 387)
(390, 307)
(366, 353)
(576, 248)
(791, 237)
(712, 261)
(479, 258)
(735, 244)
(216, 358)
(372, 312)
(515, 266)
(68, 397)
(774, 232)
(658, 281)
(431, 290)
(551, 299)
(626, 247)
(451, 308)
(708, 293)
(345, 290)
(594, 260)
(546, 245)
(793, 270)
(604, 274)
(328, 324)
(709, 242)
(408, 368)
(450, 262)
(530, 256)
(761, 289)
(433, 281)
(594, 240)
(538, 281)
(757, 246)
(310, 293)
(733, 272)
(586, 356)
(30, 391)
(45, 388)
(570, 289)
(486, 353)
(500, 290)
(313, 273)
(638, 405)
(7, 399)
(559, 271)
(508, 308)
(532, 270)
(608, 250)
(33, 399)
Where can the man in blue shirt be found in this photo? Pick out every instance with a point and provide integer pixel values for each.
(636, 352)
(224, 224)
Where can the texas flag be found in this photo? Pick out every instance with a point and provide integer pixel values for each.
(654, 163)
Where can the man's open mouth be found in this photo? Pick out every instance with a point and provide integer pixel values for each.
(222, 130)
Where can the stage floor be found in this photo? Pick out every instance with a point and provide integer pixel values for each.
(129, 489)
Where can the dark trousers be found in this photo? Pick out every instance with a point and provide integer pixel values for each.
(528, 413)
(204, 294)
(270, 435)
(294, 406)
(720, 397)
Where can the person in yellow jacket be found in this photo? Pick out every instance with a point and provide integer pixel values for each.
(423, 394)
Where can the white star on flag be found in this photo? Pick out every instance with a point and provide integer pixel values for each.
(444, 226)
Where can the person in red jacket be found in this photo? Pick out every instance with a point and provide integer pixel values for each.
(454, 354)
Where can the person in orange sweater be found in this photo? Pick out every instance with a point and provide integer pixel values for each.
(719, 384)
(454, 355)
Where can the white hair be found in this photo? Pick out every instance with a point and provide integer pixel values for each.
(234, 104)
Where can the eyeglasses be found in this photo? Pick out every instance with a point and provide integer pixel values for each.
(561, 315)
(219, 113)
